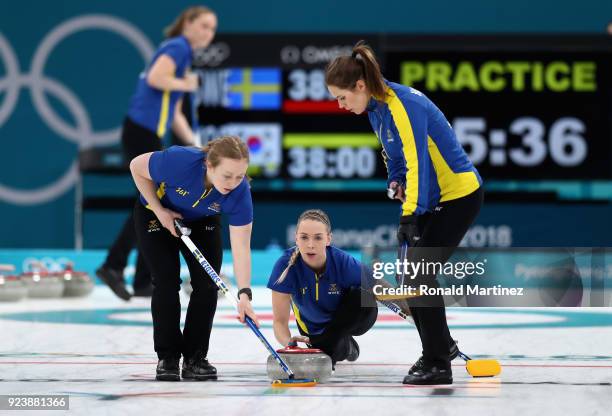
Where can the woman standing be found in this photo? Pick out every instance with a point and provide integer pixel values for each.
(323, 285)
(196, 185)
(429, 172)
(154, 108)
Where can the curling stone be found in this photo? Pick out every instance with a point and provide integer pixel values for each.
(42, 284)
(306, 363)
(76, 284)
(12, 288)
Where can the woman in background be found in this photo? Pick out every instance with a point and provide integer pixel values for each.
(154, 108)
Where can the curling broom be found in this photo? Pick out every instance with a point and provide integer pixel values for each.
(291, 381)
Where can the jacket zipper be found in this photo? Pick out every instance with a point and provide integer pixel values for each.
(204, 195)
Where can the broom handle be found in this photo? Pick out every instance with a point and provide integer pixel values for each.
(184, 232)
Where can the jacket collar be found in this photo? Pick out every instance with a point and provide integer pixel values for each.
(372, 104)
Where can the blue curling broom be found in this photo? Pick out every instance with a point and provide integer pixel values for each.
(290, 381)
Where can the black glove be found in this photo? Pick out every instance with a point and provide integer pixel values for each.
(408, 230)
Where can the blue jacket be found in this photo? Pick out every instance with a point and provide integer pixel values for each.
(316, 297)
(420, 150)
(152, 108)
(179, 172)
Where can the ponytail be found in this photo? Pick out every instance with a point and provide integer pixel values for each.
(291, 262)
(344, 71)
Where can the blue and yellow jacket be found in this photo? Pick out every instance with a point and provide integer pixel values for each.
(420, 149)
(152, 108)
(316, 297)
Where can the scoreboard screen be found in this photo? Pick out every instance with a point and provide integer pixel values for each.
(523, 108)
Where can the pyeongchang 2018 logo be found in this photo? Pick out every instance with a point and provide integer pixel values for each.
(41, 87)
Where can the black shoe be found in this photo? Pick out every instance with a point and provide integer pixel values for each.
(168, 369)
(430, 374)
(453, 353)
(198, 368)
(114, 279)
(144, 292)
(353, 352)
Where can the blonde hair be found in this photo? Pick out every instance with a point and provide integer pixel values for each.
(230, 147)
(187, 15)
(311, 214)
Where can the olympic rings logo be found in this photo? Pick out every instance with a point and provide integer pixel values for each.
(212, 56)
(82, 132)
(49, 264)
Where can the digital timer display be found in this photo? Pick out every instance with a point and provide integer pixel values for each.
(527, 110)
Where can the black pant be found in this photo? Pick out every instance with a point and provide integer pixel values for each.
(351, 319)
(161, 253)
(135, 140)
(443, 228)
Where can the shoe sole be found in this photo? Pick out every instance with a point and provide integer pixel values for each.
(429, 382)
(197, 377)
(167, 377)
(454, 353)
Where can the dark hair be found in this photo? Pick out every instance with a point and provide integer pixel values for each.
(187, 15)
(311, 214)
(230, 147)
(344, 71)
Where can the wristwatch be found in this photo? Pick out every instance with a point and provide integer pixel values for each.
(246, 290)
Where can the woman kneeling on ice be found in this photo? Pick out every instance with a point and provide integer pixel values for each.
(323, 285)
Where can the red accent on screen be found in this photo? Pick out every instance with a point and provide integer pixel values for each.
(309, 107)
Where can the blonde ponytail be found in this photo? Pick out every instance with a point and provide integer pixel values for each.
(291, 262)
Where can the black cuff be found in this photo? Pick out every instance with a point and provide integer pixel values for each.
(408, 219)
(247, 291)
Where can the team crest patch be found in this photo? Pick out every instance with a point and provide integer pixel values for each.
(153, 225)
(333, 289)
(389, 136)
(215, 206)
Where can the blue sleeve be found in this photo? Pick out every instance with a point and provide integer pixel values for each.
(164, 165)
(396, 169)
(287, 285)
(241, 211)
(176, 50)
(352, 272)
(393, 174)
(408, 152)
(395, 161)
